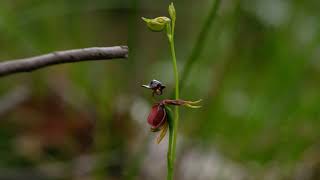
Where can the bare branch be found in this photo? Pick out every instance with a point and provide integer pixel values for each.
(59, 57)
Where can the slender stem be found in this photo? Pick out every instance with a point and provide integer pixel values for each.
(173, 126)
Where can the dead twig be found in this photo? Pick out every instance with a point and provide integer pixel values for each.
(59, 57)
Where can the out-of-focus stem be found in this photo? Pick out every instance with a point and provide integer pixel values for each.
(200, 42)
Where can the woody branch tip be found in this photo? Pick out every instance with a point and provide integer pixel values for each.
(60, 57)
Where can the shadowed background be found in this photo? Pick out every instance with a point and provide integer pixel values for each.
(258, 76)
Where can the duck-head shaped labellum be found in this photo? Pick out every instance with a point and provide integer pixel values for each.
(157, 117)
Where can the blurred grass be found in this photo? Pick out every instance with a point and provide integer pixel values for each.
(258, 74)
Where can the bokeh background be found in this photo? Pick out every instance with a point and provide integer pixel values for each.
(257, 73)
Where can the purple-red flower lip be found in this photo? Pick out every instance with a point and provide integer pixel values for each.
(157, 117)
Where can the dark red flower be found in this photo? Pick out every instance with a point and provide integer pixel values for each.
(157, 117)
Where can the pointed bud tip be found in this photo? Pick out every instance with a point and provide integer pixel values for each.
(172, 11)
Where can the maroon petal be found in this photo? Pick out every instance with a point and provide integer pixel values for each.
(157, 116)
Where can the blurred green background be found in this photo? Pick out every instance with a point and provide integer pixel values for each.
(258, 76)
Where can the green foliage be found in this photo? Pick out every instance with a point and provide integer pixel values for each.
(257, 70)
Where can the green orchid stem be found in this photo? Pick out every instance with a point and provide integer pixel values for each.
(173, 126)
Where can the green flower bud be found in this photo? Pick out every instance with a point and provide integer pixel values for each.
(172, 11)
(156, 24)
